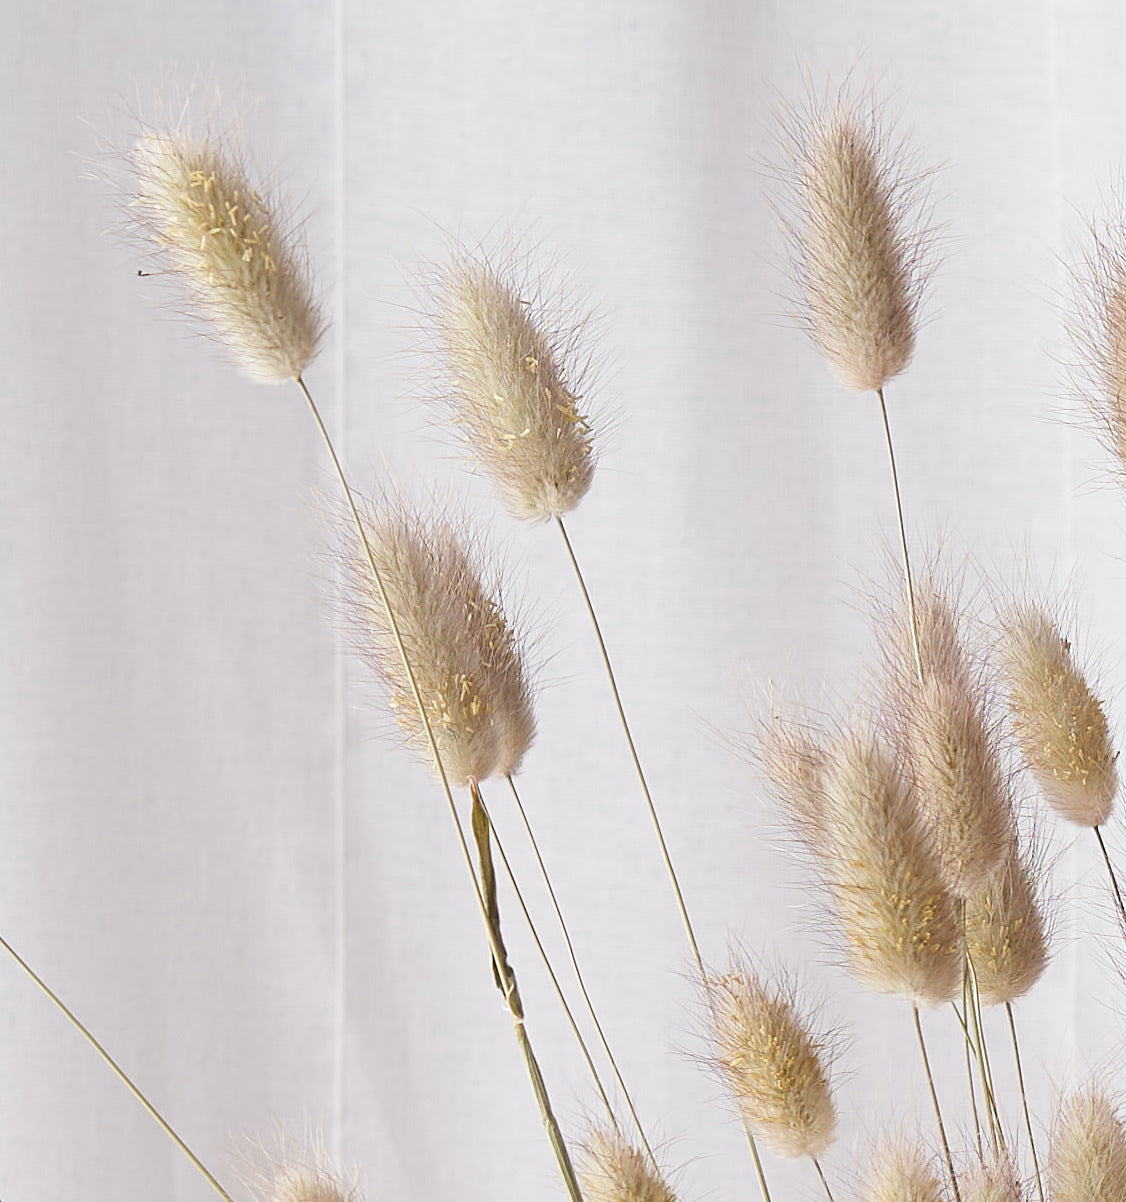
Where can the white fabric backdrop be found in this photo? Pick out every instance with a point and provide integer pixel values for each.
(254, 900)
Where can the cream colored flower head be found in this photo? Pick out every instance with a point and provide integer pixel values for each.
(860, 249)
(613, 1170)
(775, 1068)
(1087, 1159)
(468, 660)
(902, 1170)
(512, 377)
(231, 248)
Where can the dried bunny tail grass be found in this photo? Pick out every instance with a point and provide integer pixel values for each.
(773, 1066)
(940, 728)
(611, 1169)
(1097, 326)
(1060, 724)
(994, 1179)
(1007, 929)
(792, 753)
(1087, 1162)
(860, 246)
(899, 922)
(514, 376)
(903, 1171)
(238, 256)
(285, 1170)
(468, 661)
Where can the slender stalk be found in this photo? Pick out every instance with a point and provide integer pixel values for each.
(821, 1174)
(907, 580)
(578, 972)
(500, 964)
(934, 1102)
(1113, 876)
(547, 962)
(977, 1032)
(121, 1074)
(1024, 1100)
(969, 1063)
(688, 930)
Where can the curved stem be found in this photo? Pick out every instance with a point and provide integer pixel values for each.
(512, 997)
(1024, 1100)
(578, 972)
(121, 1074)
(547, 963)
(908, 583)
(934, 1103)
(683, 908)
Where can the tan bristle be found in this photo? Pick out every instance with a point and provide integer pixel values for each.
(903, 1172)
(1006, 936)
(1088, 1153)
(940, 728)
(793, 757)
(309, 1185)
(1059, 722)
(467, 660)
(613, 1170)
(772, 1065)
(513, 385)
(859, 248)
(993, 1179)
(240, 261)
(900, 924)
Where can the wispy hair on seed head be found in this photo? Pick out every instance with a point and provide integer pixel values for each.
(1059, 720)
(994, 1178)
(857, 222)
(614, 1170)
(773, 1065)
(468, 658)
(228, 244)
(902, 1170)
(284, 1169)
(1087, 1159)
(515, 371)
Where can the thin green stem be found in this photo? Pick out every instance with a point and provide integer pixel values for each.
(548, 965)
(511, 994)
(683, 908)
(1113, 877)
(578, 972)
(934, 1103)
(1024, 1100)
(121, 1074)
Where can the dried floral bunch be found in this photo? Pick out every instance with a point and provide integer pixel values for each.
(514, 371)
(860, 247)
(613, 1170)
(468, 660)
(237, 256)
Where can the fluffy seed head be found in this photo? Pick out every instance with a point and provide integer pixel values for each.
(903, 1172)
(1006, 935)
(238, 259)
(793, 756)
(513, 377)
(1059, 722)
(1097, 325)
(468, 662)
(899, 922)
(858, 245)
(286, 1170)
(770, 1062)
(613, 1170)
(1088, 1153)
(940, 729)
(308, 1185)
(994, 1179)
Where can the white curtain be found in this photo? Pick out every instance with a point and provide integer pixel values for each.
(210, 843)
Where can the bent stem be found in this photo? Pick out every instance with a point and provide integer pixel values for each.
(500, 966)
(683, 908)
(1113, 877)
(934, 1103)
(578, 972)
(1024, 1100)
(479, 801)
(121, 1074)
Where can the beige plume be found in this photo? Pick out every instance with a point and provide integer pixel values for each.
(1088, 1153)
(902, 1171)
(613, 1170)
